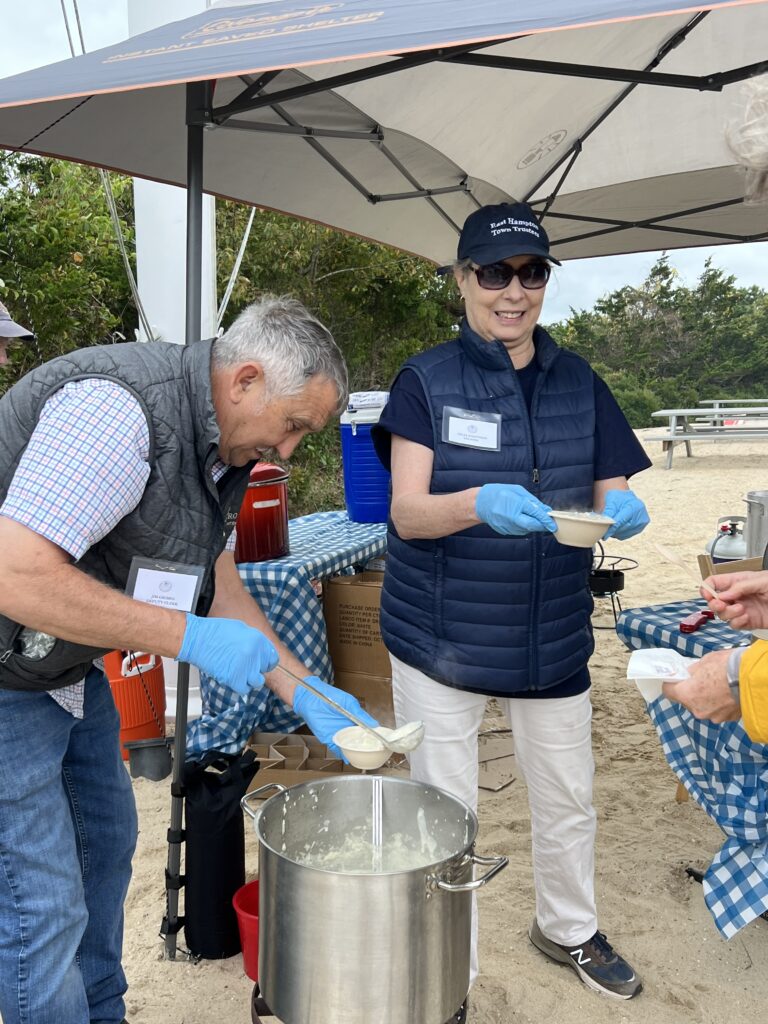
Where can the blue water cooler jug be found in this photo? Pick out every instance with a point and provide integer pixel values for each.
(366, 482)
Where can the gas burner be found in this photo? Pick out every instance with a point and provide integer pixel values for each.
(606, 578)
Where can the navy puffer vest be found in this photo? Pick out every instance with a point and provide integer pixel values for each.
(478, 610)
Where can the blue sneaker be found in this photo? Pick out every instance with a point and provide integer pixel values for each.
(595, 961)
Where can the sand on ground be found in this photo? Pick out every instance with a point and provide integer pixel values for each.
(650, 909)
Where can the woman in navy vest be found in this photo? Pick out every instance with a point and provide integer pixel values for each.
(484, 436)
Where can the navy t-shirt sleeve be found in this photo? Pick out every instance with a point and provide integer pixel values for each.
(617, 450)
(405, 414)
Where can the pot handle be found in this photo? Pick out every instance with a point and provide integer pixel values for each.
(499, 863)
(258, 793)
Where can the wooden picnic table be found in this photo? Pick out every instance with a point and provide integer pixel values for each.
(700, 424)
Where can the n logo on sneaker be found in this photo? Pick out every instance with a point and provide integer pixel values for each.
(578, 956)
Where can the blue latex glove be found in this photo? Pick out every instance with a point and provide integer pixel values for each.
(322, 720)
(513, 511)
(630, 514)
(233, 653)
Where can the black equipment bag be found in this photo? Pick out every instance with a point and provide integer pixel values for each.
(215, 851)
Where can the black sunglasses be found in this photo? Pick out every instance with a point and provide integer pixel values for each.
(496, 276)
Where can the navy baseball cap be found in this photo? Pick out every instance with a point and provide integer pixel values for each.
(10, 329)
(494, 233)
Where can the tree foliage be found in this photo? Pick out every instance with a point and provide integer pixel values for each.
(380, 305)
(659, 344)
(663, 344)
(61, 273)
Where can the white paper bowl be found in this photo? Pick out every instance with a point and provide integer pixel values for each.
(580, 529)
(649, 688)
(353, 748)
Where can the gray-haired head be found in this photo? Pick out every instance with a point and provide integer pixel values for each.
(289, 343)
(462, 267)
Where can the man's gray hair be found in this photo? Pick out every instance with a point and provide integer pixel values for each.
(289, 343)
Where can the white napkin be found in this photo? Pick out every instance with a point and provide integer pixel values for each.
(650, 667)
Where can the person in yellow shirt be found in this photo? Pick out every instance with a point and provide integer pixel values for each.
(730, 685)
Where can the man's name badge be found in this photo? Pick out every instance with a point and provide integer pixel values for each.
(171, 585)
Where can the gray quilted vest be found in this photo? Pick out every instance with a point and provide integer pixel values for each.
(183, 516)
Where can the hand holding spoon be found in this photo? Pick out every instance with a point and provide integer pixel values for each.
(672, 556)
(399, 741)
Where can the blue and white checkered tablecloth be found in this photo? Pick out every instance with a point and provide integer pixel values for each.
(321, 545)
(727, 775)
(658, 625)
(722, 769)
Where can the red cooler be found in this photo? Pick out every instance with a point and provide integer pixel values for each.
(138, 688)
(262, 525)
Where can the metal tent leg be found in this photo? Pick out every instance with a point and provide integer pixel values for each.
(174, 880)
(198, 96)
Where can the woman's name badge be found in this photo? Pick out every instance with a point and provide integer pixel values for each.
(472, 429)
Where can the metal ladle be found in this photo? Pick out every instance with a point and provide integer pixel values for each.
(399, 741)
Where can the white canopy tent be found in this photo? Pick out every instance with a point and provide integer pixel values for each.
(614, 130)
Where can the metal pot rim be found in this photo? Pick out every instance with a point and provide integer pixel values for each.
(465, 851)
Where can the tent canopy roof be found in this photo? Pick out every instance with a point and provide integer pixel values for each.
(396, 121)
(249, 39)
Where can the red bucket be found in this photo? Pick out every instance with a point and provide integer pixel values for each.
(246, 904)
(262, 525)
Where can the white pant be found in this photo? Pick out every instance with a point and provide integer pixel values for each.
(553, 748)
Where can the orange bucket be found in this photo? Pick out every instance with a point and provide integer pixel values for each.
(138, 689)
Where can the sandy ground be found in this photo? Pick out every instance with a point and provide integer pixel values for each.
(648, 906)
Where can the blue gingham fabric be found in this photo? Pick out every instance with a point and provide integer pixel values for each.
(722, 769)
(658, 625)
(321, 545)
(727, 775)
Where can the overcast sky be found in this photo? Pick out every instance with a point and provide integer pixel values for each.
(34, 34)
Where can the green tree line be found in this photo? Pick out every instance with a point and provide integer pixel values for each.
(658, 344)
(664, 345)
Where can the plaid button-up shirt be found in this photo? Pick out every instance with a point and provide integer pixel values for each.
(84, 469)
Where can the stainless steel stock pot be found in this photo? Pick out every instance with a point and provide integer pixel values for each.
(365, 947)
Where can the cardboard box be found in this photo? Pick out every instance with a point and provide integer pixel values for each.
(264, 755)
(292, 758)
(316, 761)
(497, 767)
(351, 608)
(497, 774)
(373, 692)
(709, 568)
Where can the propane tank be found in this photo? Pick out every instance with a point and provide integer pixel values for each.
(729, 543)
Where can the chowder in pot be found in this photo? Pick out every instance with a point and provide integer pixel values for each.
(365, 887)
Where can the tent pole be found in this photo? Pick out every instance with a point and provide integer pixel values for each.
(197, 94)
(172, 923)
